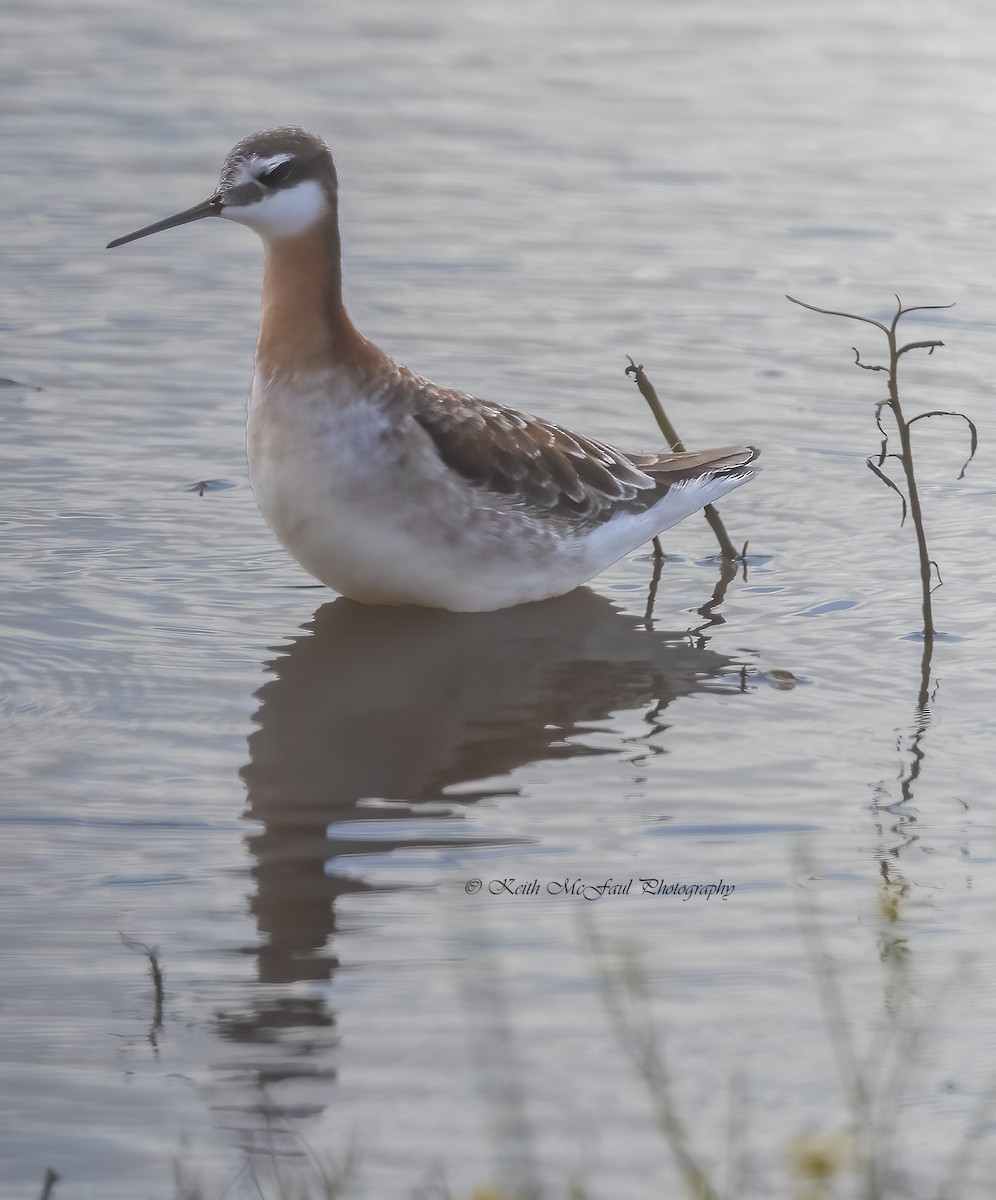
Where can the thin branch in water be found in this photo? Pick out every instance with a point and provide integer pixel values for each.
(655, 579)
(930, 347)
(918, 308)
(649, 393)
(973, 432)
(719, 529)
(830, 312)
(876, 469)
(155, 967)
(905, 457)
(51, 1177)
(884, 448)
(865, 366)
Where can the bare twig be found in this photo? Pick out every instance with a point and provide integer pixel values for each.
(876, 469)
(155, 967)
(649, 393)
(894, 404)
(973, 432)
(48, 1184)
(655, 579)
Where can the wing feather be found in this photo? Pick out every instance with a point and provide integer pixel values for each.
(553, 472)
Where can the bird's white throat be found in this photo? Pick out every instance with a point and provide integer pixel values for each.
(286, 213)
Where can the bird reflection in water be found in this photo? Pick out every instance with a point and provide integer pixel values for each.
(411, 705)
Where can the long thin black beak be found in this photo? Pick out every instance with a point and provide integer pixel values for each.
(207, 208)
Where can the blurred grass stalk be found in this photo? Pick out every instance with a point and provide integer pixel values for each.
(625, 992)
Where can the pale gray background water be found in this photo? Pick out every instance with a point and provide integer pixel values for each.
(529, 193)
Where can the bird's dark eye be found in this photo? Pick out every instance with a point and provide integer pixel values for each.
(275, 175)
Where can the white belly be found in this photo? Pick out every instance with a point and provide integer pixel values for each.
(375, 515)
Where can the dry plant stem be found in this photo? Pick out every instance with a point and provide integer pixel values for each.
(156, 970)
(906, 456)
(655, 579)
(649, 393)
(876, 462)
(51, 1179)
(914, 492)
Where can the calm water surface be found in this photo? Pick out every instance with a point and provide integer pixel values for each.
(287, 794)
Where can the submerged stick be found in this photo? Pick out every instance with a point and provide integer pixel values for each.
(649, 393)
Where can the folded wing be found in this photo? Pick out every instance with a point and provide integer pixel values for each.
(555, 473)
